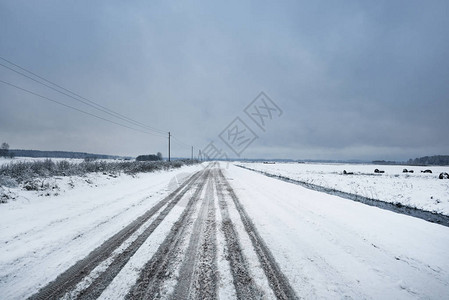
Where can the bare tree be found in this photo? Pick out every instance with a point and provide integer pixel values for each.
(4, 150)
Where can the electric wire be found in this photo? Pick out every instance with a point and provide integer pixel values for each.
(176, 140)
(79, 110)
(81, 99)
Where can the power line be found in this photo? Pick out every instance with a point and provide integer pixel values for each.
(89, 102)
(79, 110)
(79, 98)
(179, 141)
(64, 91)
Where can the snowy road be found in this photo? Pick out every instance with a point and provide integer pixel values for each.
(184, 265)
(231, 233)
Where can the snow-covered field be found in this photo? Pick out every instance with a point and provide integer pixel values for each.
(420, 190)
(4, 161)
(333, 248)
(327, 247)
(42, 233)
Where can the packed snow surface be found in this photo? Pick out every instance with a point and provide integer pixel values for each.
(420, 190)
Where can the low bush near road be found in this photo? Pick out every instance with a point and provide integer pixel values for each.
(27, 171)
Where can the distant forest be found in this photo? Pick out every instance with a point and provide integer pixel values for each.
(150, 157)
(435, 160)
(61, 154)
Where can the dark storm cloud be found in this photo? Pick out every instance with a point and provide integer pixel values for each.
(363, 80)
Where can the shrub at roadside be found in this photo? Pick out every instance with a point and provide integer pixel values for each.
(27, 171)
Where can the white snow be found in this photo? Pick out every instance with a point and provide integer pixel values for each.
(5, 161)
(41, 236)
(256, 270)
(421, 190)
(95, 273)
(330, 247)
(327, 246)
(225, 284)
(127, 277)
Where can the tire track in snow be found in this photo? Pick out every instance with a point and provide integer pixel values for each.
(206, 280)
(69, 279)
(277, 280)
(102, 281)
(104, 265)
(159, 267)
(93, 228)
(197, 276)
(44, 227)
(243, 282)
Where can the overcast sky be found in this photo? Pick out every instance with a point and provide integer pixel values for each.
(354, 79)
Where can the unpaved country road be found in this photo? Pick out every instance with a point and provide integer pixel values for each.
(197, 243)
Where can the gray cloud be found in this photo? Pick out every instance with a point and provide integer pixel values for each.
(364, 80)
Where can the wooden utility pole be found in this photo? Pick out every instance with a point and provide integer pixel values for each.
(192, 152)
(169, 146)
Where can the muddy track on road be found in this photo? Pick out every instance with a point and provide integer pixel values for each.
(277, 280)
(68, 280)
(243, 282)
(197, 276)
(98, 285)
(160, 266)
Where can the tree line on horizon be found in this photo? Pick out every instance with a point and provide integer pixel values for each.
(150, 157)
(6, 152)
(434, 160)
